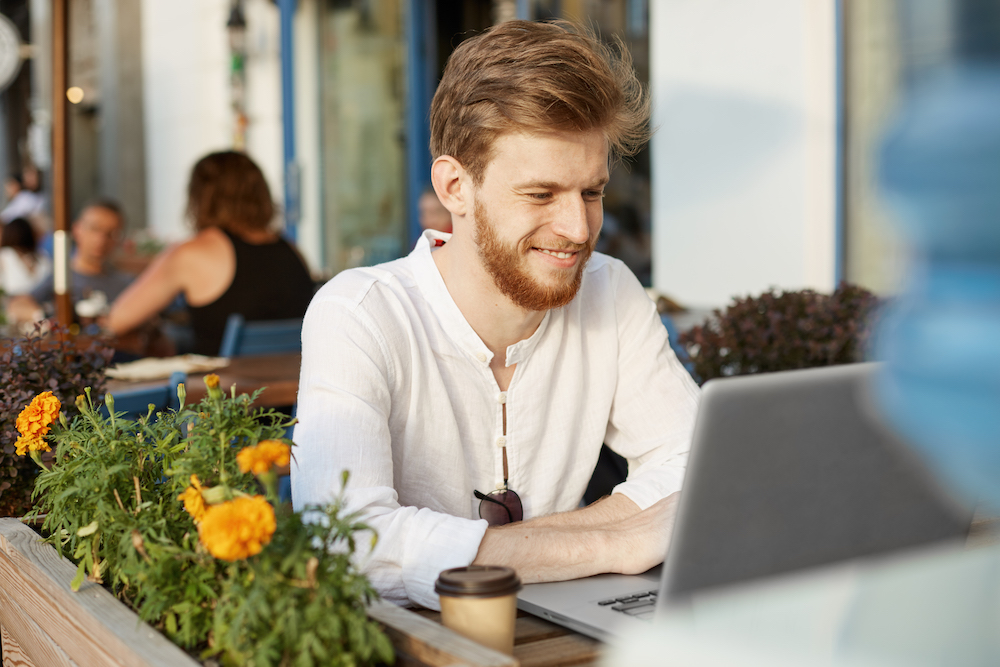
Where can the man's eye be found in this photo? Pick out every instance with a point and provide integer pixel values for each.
(541, 196)
(593, 194)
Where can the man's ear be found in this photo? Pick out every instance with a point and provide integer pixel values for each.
(447, 177)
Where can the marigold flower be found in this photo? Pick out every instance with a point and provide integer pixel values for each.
(27, 444)
(237, 529)
(34, 422)
(194, 502)
(212, 381)
(266, 453)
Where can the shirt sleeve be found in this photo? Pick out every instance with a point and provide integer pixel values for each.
(344, 408)
(652, 415)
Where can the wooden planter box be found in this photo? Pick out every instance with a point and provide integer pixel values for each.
(44, 623)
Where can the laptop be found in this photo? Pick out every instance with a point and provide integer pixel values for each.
(787, 471)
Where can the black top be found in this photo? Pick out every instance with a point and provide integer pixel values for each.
(270, 283)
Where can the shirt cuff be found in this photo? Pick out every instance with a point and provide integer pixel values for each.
(650, 487)
(447, 542)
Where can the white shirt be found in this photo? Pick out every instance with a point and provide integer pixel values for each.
(396, 387)
(16, 277)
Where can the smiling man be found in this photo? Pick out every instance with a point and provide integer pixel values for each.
(469, 386)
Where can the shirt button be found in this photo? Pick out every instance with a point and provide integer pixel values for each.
(501, 441)
(502, 398)
(481, 357)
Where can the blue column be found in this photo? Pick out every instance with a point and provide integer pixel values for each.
(291, 168)
(420, 80)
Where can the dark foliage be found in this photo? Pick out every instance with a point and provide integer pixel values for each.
(779, 331)
(29, 366)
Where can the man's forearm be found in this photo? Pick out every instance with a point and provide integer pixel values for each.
(610, 536)
(607, 510)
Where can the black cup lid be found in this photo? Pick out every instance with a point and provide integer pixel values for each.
(478, 581)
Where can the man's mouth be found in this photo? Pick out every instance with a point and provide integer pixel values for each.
(559, 254)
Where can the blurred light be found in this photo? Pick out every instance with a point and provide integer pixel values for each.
(74, 95)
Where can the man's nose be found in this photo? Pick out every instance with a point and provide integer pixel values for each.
(572, 223)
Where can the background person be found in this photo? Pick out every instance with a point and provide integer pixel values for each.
(96, 234)
(22, 266)
(433, 214)
(22, 200)
(234, 264)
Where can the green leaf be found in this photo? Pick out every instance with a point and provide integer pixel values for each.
(89, 529)
(78, 579)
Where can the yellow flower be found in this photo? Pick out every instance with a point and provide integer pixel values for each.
(27, 444)
(237, 529)
(194, 502)
(259, 458)
(34, 423)
(212, 381)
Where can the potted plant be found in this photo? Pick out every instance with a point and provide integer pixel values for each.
(781, 331)
(176, 513)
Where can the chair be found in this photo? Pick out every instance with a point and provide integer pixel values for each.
(135, 402)
(247, 339)
(244, 339)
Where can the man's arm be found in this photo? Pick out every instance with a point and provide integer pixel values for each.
(345, 401)
(611, 535)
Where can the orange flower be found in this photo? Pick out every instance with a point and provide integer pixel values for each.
(34, 423)
(266, 453)
(237, 529)
(212, 381)
(194, 502)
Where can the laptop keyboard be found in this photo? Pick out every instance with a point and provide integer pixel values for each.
(639, 605)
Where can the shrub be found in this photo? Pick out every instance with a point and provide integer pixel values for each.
(779, 331)
(29, 366)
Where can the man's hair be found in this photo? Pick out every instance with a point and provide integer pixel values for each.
(108, 205)
(228, 190)
(18, 234)
(535, 77)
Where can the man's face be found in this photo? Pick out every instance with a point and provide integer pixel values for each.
(96, 233)
(538, 212)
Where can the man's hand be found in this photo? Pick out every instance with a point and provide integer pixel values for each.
(612, 535)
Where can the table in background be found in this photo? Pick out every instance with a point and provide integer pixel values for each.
(277, 374)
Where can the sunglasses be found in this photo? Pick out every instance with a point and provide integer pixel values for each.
(499, 507)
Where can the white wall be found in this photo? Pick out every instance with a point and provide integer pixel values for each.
(187, 98)
(744, 155)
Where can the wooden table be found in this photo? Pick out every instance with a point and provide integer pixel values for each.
(421, 641)
(278, 373)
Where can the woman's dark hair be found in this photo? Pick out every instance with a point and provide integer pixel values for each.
(18, 234)
(228, 190)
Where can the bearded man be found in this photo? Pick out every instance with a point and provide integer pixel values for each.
(469, 386)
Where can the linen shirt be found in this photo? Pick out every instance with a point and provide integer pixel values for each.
(396, 388)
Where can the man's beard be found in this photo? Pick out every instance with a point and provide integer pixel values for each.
(506, 264)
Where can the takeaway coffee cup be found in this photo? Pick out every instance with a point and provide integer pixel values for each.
(480, 602)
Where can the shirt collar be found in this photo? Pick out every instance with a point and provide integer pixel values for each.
(431, 284)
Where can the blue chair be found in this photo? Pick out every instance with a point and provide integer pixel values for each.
(673, 337)
(135, 402)
(244, 339)
(247, 339)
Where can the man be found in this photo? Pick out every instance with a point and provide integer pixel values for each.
(96, 233)
(479, 376)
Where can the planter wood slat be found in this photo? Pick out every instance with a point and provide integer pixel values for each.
(11, 651)
(24, 637)
(44, 623)
(91, 626)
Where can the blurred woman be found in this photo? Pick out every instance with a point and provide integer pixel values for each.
(22, 266)
(234, 264)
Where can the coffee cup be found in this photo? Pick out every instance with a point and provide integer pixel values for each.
(480, 602)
